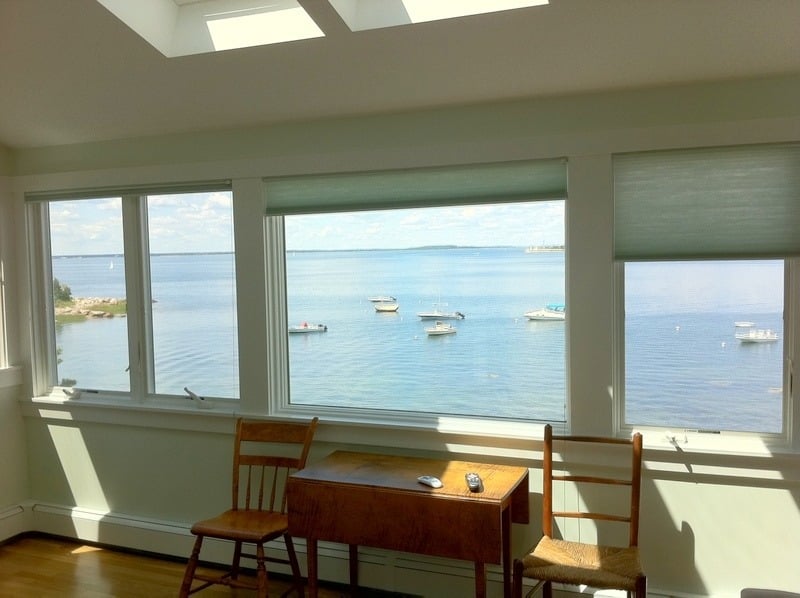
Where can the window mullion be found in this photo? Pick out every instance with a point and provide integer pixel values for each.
(137, 282)
(791, 318)
(43, 325)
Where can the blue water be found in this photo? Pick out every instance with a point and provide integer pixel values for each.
(194, 324)
(683, 365)
(497, 364)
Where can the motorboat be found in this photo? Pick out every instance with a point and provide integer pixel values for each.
(440, 329)
(439, 314)
(551, 312)
(386, 307)
(382, 299)
(306, 328)
(757, 335)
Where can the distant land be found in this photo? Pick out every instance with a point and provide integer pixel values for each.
(529, 249)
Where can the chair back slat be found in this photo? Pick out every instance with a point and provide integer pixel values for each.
(631, 480)
(259, 479)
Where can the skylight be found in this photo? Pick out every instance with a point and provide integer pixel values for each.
(183, 27)
(375, 14)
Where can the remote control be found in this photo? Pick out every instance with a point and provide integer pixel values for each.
(430, 480)
(474, 482)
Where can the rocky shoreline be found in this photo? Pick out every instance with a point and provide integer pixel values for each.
(90, 307)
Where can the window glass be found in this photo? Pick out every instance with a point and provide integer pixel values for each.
(89, 294)
(372, 297)
(704, 345)
(193, 292)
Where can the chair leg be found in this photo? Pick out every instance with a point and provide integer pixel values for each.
(261, 571)
(547, 590)
(641, 587)
(298, 577)
(191, 566)
(237, 556)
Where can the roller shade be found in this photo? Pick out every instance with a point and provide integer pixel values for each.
(481, 183)
(732, 202)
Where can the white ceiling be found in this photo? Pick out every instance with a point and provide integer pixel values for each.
(71, 72)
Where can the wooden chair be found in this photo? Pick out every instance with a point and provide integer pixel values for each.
(578, 563)
(258, 512)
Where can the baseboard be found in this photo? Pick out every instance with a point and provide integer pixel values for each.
(405, 573)
(14, 520)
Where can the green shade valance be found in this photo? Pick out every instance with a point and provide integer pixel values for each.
(470, 184)
(730, 202)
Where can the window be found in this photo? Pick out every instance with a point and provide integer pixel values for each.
(89, 298)
(706, 240)
(193, 292)
(139, 293)
(422, 310)
(704, 345)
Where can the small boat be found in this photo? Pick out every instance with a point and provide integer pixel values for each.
(757, 335)
(438, 314)
(382, 299)
(440, 328)
(305, 328)
(386, 307)
(552, 312)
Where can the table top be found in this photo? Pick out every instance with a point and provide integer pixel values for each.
(400, 473)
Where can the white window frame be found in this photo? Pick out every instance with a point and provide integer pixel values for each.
(279, 384)
(137, 281)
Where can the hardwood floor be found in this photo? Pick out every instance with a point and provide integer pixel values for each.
(45, 567)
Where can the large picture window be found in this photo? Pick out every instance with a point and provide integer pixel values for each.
(424, 310)
(405, 292)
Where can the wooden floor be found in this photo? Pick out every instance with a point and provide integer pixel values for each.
(46, 567)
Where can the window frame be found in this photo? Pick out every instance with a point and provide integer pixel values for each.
(278, 350)
(430, 186)
(140, 341)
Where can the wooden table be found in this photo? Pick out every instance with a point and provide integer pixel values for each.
(375, 500)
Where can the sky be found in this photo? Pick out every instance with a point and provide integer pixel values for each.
(202, 222)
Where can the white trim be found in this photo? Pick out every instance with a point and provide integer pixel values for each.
(378, 568)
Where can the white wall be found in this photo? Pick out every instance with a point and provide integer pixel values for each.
(14, 489)
(712, 523)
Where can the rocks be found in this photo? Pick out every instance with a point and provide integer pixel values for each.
(89, 307)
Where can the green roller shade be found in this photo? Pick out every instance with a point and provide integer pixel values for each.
(731, 202)
(472, 184)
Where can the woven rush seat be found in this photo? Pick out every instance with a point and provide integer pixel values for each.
(604, 567)
(601, 566)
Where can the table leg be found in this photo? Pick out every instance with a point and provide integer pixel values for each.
(480, 579)
(311, 557)
(506, 541)
(354, 569)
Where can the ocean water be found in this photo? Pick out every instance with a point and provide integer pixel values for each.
(683, 366)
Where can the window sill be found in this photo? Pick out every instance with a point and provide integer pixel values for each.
(446, 435)
(171, 413)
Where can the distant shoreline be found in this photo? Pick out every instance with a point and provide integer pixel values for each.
(547, 248)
